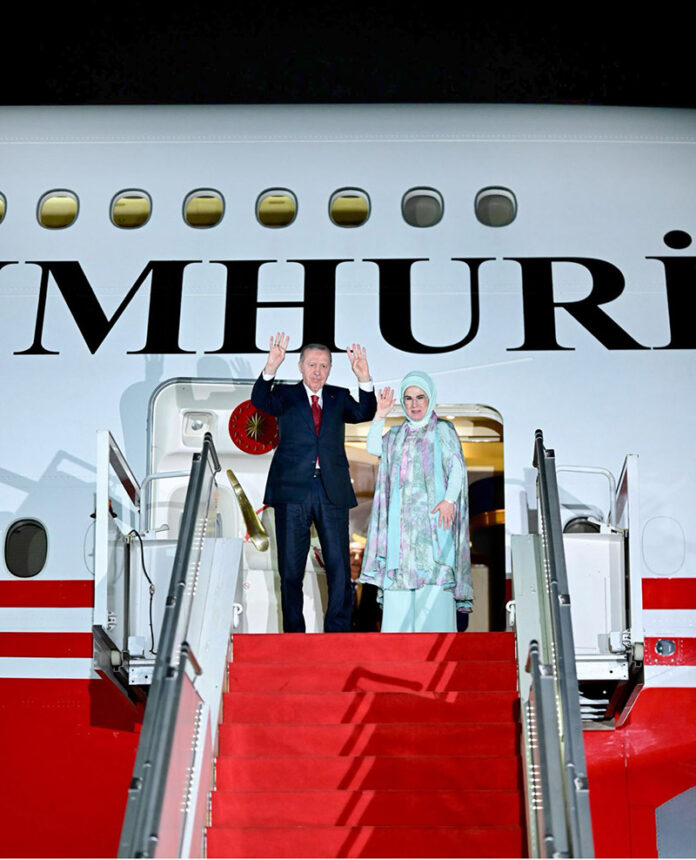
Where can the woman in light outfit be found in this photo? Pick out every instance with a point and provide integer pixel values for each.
(417, 547)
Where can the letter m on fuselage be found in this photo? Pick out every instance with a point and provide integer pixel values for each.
(94, 325)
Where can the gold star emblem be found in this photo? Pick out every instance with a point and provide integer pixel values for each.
(255, 426)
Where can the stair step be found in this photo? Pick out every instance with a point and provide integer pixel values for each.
(369, 745)
(392, 808)
(294, 773)
(374, 676)
(372, 707)
(365, 842)
(358, 647)
(315, 739)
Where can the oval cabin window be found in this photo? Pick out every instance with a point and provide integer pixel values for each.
(422, 207)
(203, 208)
(58, 209)
(131, 209)
(276, 208)
(3, 207)
(496, 207)
(349, 207)
(26, 547)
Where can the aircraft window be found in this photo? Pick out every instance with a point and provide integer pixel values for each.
(131, 209)
(57, 209)
(496, 207)
(25, 548)
(3, 206)
(422, 207)
(276, 208)
(203, 208)
(349, 207)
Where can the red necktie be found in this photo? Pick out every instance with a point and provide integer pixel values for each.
(316, 412)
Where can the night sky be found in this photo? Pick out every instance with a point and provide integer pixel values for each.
(280, 53)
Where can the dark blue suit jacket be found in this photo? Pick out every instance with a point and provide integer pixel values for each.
(292, 468)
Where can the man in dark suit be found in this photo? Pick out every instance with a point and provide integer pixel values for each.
(308, 481)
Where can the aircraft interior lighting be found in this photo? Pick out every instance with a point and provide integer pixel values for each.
(57, 209)
(203, 208)
(131, 209)
(349, 208)
(276, 208)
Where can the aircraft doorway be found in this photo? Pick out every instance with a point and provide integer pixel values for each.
(480, 430)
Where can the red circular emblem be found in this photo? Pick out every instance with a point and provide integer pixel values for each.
(251, 430)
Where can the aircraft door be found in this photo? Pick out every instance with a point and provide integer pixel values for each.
(181, 411)
(116, 511)
(131, 575)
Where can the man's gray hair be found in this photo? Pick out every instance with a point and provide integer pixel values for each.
(315, 346)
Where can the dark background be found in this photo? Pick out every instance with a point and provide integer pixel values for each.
(280, 53)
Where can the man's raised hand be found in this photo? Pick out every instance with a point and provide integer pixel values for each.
(358, 362)
(276, 352)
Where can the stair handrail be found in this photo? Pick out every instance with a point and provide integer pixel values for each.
(560, 753)
(146, 494)
(549, 836)
(141, 826)
(605, 473)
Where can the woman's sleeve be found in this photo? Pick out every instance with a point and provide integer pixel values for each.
(455, 481)
(374, 437)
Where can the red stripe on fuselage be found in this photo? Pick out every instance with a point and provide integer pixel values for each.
(45, 644)
(676, 593)
(48, 592)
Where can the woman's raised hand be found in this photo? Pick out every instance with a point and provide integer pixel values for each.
(385, 402)
(276, 353)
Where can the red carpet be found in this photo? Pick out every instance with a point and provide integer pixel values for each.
(369, 745)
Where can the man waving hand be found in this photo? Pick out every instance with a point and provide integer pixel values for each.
(308, 481)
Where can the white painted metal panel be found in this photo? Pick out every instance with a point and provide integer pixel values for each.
(46, 667)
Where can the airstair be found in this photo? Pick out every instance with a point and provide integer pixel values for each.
(381, 745)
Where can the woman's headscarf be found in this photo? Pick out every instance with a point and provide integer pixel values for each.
(421, 380)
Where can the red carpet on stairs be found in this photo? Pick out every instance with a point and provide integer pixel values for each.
(369, 745)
